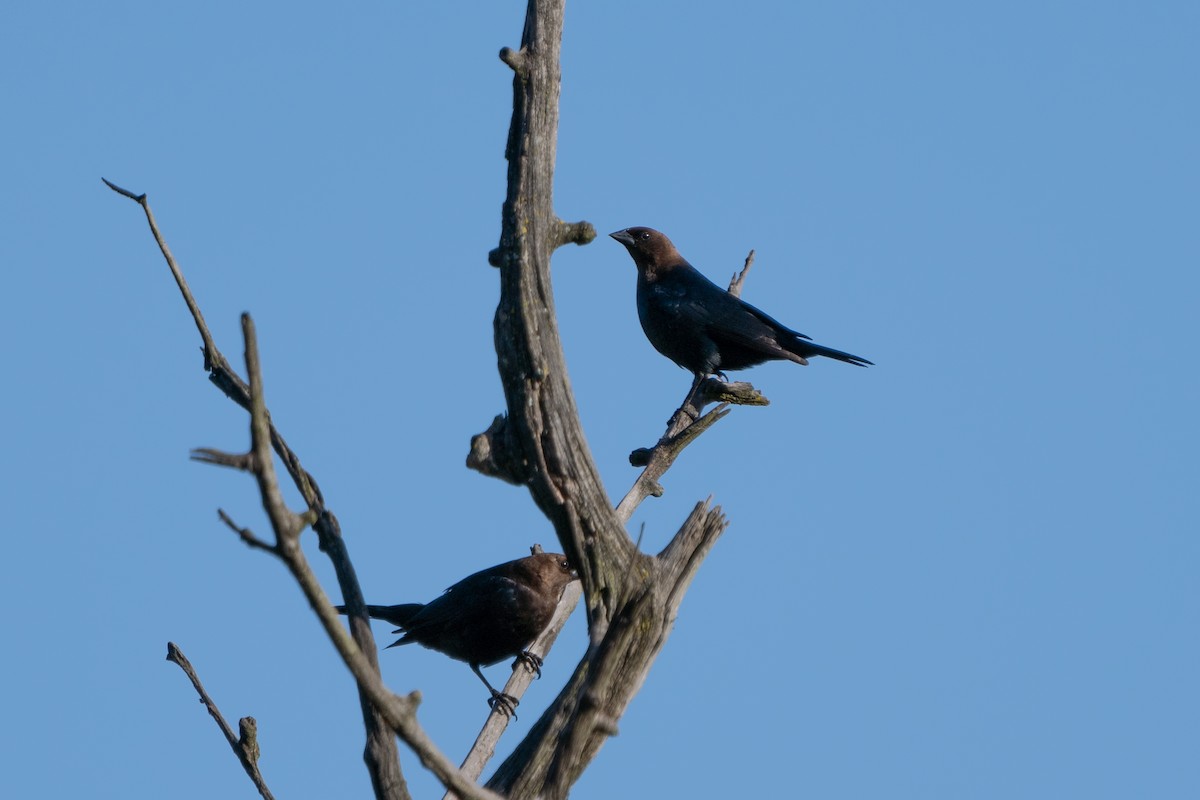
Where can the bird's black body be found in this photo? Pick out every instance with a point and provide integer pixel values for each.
(700, 326)
(486, 617)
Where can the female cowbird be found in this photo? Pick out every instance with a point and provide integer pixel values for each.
(699, 325)
(486, 617)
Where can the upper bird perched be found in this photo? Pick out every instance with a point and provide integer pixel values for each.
(486, 617)
(699, 325)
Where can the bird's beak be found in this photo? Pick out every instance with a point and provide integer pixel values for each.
(623, 236)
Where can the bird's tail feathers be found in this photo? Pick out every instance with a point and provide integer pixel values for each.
(397, 615)
(809, 349)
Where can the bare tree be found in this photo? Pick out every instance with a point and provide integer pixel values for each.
(631, 597)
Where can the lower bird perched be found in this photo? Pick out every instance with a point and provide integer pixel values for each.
(700, 326)
(486, 617)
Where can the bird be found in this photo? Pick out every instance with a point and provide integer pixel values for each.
(700, 326)
(486, 617)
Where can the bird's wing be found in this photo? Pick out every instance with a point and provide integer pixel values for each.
(769, 320)
(478, 597)
(726, 317)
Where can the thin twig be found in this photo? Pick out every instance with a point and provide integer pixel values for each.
(220, 372)
(245, 747)
(210, 349)
(246, 534)
(735, 284)
(685, 425)
(219, 458)
(659, 459)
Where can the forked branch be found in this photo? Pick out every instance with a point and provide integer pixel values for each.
(385, 714)
(245, 747)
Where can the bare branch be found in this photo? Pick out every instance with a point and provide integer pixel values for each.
(738, 393)
(245, 747)
(579, 233)
(739, 278)
(380, 754)
(243, 462)
(211, 355)
(220, 372)
(660, 458)
(400, 712)
(246, 534)
(516, 60)
(682, 429)
(286, 523)
(489, 451)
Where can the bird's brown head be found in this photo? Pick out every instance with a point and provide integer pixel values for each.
(649, 248)
(551, 570)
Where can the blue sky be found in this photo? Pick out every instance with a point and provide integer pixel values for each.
(969, 571)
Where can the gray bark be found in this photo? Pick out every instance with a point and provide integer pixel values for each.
(631, 598)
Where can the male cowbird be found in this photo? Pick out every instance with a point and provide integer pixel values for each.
(699, 325)
(486, 617)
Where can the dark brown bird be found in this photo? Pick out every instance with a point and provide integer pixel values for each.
(700, 326)
(486, 617)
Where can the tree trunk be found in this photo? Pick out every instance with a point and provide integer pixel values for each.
(631, 598)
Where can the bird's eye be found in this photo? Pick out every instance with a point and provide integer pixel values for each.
(566, 565)
(644, 235)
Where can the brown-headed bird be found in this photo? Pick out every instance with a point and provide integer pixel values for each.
(700, 326)
(486, 617)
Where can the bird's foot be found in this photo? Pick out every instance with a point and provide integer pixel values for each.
(532, 663)
(704, 388)
(506, 704)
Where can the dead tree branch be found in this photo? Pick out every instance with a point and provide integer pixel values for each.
(739, 278)
(399, 712)
(380, 753)
(245, 747)
(682, 429)
(631, 598)
(385, 714)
